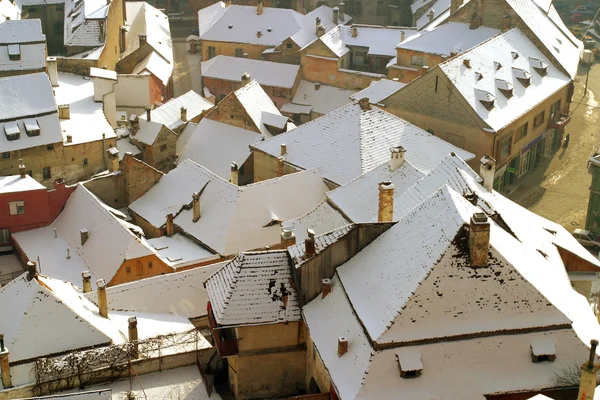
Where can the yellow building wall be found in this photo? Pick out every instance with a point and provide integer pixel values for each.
(261, 337)
(327, 72)
(112, 50)
(265, 166)
(139, 268)
(254, 51)
(315, 369)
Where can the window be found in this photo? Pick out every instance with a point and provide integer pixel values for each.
(163, 147)
(239, 52)
(84, 162)
(555, 109)
(4, 236)
(139, 269)
(212, 52)
(16, 207)
(504, 147)
(58, 28)
(128, 269)
(50, 146)
(6, 155)
(288, 46)
(521, 131)
(539, 119)
(418, 61)
(46, 173)
(150, 264)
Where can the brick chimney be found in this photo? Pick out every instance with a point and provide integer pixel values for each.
(589, 372)
(64, 111)
(317, 23)
(342, 8)
(475, 20)
(402, 36)
(283, 149)
(288, 238)
(487, 171)
(325, 287)
(321, 30)
(354, 31)
(235, 174)
(85, 235)
(259, 7)
(183, 114)
(142, 39)
(246, 78)
(87, 281)
(479, 240)
(397, 157)
(132, 331)
(32, 270)
(336, 15)
(386, 202)
(454, 5)
(195, 207)
(309, 244)
(5, 364)
(364, 104)
(506, 22)
(102, 302)
(342, 346)
(170, 225)
(22, 172)
(148, 114)
(280, 166)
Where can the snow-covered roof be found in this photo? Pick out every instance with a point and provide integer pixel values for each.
(415, 5)
(21, 31)
(298, 251)
(169, 114)
(266, 73)
(318, 97)
(233, 218)
(447, 38)
(184, 136)
(322, 219)
(179, 251)
(349, 142)
(83, 20)
(254, 288)
(441, 11)
(47, 316)
(87, 122)
(9, 10)
(549, 28)
(148, 131)
(124, 146)
(26, 97)
(156, 65)
(110, 242)
(215, 145)
(378, 90)
(257, 104)
(380, 41)
(308, 29)
(499, 64)
(15, 184)
(179, 293)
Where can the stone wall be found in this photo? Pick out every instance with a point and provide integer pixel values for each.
(254, 51)
(139, 178)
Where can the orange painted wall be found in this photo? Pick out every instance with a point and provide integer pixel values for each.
(139, 268)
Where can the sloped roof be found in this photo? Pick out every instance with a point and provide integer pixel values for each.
(321, 98)
(47, 316)
(256, 102)
(264, 72)
(349, 142)
(111, 240)
(15, 184)
(154, 64)
(381, 41)
(321, 219)
(254, 288)
(379, 90)
(215, 145)
(82, 22)
(21, 31)
(517, 56)
(308, 29)
(441, 10)
(148, 131)
(169, 114)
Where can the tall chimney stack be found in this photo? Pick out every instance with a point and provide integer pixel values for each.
(487, 171)
(183, 115)
(287, 236)
(309, 244)
(397, 157)
(5, 364)
(336, 15)
(235, 173)
(148, 114)
(342, 346)
(22, 172)
(280, 166)
(85, 235)
(386, 202)
(87, 281)
(52, 67)
(32, 270)
(317, 23)
(102, 302)
(133, 336)
(195, 207)
(479, 240)
(342, 8)
(170, 225)
(259, 7)
(325, 287)
(589, 372)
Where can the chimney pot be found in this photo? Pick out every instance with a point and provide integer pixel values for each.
(397, 157)
(170, 225)
(342, 346)
(364, 104)
(148, 114)
(479, 239)
(283, 149)
(309, 244)
(183, 114)
(133, 336)
(317, 85)
(386, 202)
(102, 302)
(259, 7)
(594, 345)
(288, 238)
(87, 281)
(326, 287)
(5, 366)
(336, 15)
(487, 171)
(280, 166)
(2, 347)
(195, 207)
(32, 270)
(354, 31)
(235, 173)
(402, 36)
(246, 78)
(431, 15)
(85, 235)
(474, 21)
(22, 172)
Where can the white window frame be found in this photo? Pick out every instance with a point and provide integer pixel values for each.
(16, 207)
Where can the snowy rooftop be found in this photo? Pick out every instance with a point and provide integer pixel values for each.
(308, 30)
(156, 65)
(87, 122)
(322, 219)
(27, 99)
(169, 114)
(233, 218)
(266, 73)
(124, 146)
(380, 41)
(441, 11)
(318, 97)
(21, 31)
(25, 38)
(111, 240)
(349, 142)
(258, 105)
(448, 38)
(15, 184)
(179, 293)
(254, 288)
(215, 145)
(148, 131)
(179, 251)
(379, 90)
(504, 63)
(82, 22)
(9, 10)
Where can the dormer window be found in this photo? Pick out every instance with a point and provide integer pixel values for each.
(486, 98)
(409, 362)
(542, 349)
(479, 76)
(497, 65)
(505, 87)
(540, 66)
(32, 127)
(514, 54)
(12, 131)
(522, 76)
(14, 52)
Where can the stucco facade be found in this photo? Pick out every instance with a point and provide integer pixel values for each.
(211, 49)
(220, 88)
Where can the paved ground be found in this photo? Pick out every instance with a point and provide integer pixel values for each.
(559, 188)
(186, 76)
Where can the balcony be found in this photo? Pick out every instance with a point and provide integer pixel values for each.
(224, 338)
(559, 121)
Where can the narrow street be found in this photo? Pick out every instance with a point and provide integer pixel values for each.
(559, 188)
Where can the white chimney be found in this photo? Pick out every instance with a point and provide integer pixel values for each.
(487, 171)
(87, 281)
(397, 157)
(52, 67)
(102, 302)
(85, 235)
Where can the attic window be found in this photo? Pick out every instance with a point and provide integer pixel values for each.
(32, 127)
(485, 98)
(479, 76)
(409, 362)
(467, 63)
(497, 65)
(230, 26)
(540, 66)
(14, 52)
(559, 41)
(12, 131)
(514, 54)
(505, 87)
(542, 349)
(523, 76)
